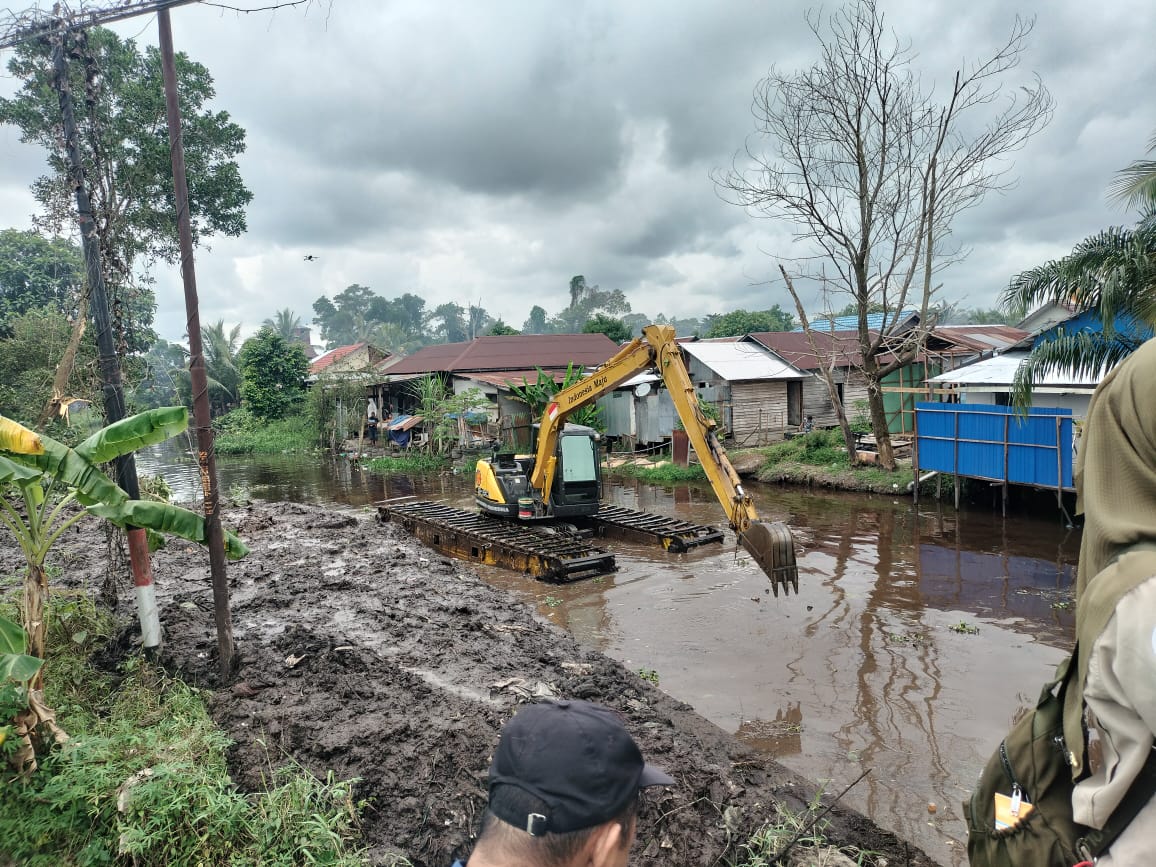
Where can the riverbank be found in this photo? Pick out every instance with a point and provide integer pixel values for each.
(815, 460)
(364, 654)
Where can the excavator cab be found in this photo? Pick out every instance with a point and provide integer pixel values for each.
(502, 484)
(577, 485)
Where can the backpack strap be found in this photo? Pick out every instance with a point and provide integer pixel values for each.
(1094, 842)
(1093, 611)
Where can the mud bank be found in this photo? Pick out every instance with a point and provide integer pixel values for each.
(365, 654)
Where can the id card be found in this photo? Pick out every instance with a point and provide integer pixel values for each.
(1008, 813)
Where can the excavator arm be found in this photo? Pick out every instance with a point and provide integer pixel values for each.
(770, 544)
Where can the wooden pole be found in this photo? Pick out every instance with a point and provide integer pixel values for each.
(205, 455)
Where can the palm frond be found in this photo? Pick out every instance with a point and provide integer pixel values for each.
(1082, 352)
(1113, 273)
(1136, 184)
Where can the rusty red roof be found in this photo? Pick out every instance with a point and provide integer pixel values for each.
(509, 353)
(333, 356)
(982, 338)
(794, 348)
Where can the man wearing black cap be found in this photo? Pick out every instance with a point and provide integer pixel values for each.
(564, 788)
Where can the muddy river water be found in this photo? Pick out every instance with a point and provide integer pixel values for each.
(916, 635)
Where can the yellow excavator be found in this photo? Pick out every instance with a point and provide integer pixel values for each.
(562, 479)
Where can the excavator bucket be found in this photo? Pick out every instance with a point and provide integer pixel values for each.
(771, 546)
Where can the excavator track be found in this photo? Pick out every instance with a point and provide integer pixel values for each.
(558, 553)
(618, 522)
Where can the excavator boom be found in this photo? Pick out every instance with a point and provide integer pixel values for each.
(769, 544)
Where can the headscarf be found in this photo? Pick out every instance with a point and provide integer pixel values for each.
(1116, 464)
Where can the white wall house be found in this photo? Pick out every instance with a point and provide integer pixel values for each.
(990, 382)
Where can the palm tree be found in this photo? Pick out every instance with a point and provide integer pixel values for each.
(1112, 274)
(285, 323)
(1136, 185)
(222, 365)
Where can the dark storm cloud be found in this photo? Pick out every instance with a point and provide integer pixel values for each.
(488, 152)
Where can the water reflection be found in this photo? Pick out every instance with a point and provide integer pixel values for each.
(916, 635)
(291, 478)
(780, 737)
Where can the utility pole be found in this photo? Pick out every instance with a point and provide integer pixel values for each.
(114, 407)
(57, 27)
(205, 454)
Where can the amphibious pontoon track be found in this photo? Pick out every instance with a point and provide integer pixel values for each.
(553, 552)
(673, 534)
(558, 553)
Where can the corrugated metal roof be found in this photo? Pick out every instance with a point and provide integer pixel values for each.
(1000, 371)
(851, 323)
(982, 336)
(510, 352)
(736, 362)
(436, 357)
(793, 347)
(403, 422)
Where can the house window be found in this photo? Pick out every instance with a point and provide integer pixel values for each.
(1002, 398)
(839, 391)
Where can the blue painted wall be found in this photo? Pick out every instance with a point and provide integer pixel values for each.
(969, 439)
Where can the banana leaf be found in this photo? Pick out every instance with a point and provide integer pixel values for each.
(15, 473)
(135, 432)
(166, 518)
(74, 470)
(15, 437)
(14, 663)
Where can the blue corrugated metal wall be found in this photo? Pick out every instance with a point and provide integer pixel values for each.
(993, 442)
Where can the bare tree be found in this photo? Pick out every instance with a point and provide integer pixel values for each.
(872, 170)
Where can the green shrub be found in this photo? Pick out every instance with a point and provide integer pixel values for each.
(818, 448)
(143, 780)
(241, 433)
(416, 462)
(662, 474)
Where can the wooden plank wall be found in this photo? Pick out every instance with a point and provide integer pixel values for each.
(817, 401)
(758, 412)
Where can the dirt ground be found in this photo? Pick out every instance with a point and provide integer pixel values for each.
(364, 653)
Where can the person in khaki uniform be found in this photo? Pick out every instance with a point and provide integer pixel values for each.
(1116, 482)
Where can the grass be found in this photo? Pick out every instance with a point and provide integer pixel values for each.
(817, 458)
(143, 779)
(770, 841)
(240, 433)
(820, 458)
(417, 462)
(660, 474)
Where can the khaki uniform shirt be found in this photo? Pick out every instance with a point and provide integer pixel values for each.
(1120, 693)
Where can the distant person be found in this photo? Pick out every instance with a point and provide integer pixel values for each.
(564, 790)
(808, 424)
(372, 426)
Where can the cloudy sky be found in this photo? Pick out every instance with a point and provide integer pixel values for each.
(483, 153)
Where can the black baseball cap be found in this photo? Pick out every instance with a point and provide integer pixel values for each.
(574, 757)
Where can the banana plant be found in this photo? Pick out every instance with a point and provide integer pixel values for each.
(20, 711)
(42, 482)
